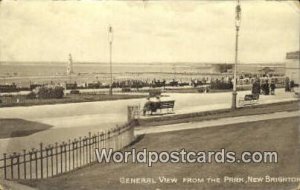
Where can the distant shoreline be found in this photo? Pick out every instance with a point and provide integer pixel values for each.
(135, 63)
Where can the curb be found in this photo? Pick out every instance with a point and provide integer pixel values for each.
(206, 115)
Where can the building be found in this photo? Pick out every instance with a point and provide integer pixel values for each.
(247, 69)
(292, 66)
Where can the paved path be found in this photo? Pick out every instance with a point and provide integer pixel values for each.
(215, 123)
(77, 119)
(185, 103)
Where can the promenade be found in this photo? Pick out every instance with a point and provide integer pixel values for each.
(77, 119)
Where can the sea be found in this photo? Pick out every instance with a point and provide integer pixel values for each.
(24, 73)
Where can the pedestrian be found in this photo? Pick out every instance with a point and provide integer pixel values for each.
(292, 85)
(287, 84)
(263, 88)
(256, 87)
(267, 88)
(272, 86)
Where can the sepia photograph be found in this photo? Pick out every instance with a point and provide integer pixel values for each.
(149, 94)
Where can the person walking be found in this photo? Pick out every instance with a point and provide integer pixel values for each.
(263, 87)
(292, 85)
(272, 87)
(287, 84)
(267, 88)
(256, 87)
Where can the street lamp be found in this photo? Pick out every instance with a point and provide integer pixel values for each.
(237, 28)
(110, 38)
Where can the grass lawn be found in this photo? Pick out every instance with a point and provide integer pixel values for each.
(279, 135)
(69, 98)
(20, 127)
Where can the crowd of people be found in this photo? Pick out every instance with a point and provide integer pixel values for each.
(264, 87)
(215, 82)
(289, 85)
(268, 86)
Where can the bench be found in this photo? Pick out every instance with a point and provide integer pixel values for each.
(152, 107)
(249, 99)
(154, 93)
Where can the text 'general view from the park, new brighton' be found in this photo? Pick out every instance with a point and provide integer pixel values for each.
(149, 95)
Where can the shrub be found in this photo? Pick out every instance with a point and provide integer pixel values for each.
(31, 95)
(221, 85)
(50, 92)
(74, 92)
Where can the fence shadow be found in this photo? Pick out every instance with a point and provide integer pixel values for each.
(136, 140)
(20, 127)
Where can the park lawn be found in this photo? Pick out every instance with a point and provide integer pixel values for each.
(279, 135)
(69, 98)
(20, 127)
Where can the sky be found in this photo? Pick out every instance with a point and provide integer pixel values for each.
(147, 31)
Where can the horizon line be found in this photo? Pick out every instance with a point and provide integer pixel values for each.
(141, 62)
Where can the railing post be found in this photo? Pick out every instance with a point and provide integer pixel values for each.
(49, 153)
(90, 144)
(41, 157)
(12, 165)
(108, 140)
(4, 165)
(119, 138)
(85, 154)
(18, 164)
(98, 140)
(61, 159)
(56, 158)
(115, 135)
(69, 147)
(83, 151)
(92, 147)
(80, 154)
(24, 160)
(47, 149)
(113, 139)
(65, 151)
(30, 164)
(52, 173)
(129, 113)
(74, 150)
(36, 164)
(95, 146)
(102, 137)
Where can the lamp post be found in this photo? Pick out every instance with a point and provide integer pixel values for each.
(110, 38)
(237, 28)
